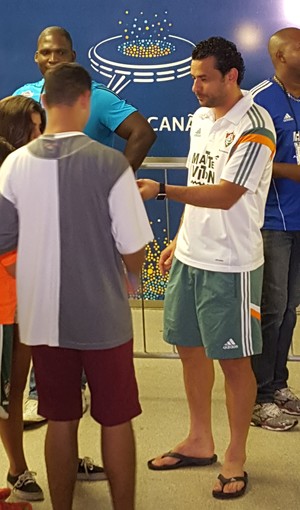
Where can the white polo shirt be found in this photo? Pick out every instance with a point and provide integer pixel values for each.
(239, 148)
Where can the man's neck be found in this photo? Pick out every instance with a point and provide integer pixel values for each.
(62, 120)
(288, 83)
(53, 129)
(220, 111)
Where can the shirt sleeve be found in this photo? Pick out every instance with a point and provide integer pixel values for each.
(249, 157)
(111, 109)
(31, 90)
(130, 225)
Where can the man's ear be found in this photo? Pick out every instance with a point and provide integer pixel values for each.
(74, 56)
(36, 57)
(280, 56)
(233, 75)
(44, 101)
(85, 98)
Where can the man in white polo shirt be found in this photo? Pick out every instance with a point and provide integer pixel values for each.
(212, 303)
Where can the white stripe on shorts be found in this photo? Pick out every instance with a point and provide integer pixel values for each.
(246, 333)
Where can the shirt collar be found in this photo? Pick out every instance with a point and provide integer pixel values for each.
(237, 112)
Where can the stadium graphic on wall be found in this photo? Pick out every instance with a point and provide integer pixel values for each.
(144, 52)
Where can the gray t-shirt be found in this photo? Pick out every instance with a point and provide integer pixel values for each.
(71, 205)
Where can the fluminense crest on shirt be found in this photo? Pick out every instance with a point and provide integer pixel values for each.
(229, 137)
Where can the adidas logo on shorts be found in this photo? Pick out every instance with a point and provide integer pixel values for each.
(230, 344)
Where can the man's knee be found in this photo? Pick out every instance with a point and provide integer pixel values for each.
(234, 369)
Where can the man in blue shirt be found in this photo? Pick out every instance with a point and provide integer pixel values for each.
(109, 113)
(281, 233)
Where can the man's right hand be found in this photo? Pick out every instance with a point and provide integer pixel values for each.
(166, 257)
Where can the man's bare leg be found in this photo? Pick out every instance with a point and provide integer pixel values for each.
(61, 451)
(198, 373)
(240, 388)
(11, 430)
(118, 452)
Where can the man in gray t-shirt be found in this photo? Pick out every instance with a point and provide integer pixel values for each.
(72, 209)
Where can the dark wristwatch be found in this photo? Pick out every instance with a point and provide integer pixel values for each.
(161, 195)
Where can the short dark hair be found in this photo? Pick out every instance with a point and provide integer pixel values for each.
(59, 30)
(65, 82)
(5, 149)
(225, 52)
(15, 119)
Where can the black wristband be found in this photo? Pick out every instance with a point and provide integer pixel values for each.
(161, 195)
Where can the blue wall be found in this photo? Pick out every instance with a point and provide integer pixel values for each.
(166, 99)
(168, 103)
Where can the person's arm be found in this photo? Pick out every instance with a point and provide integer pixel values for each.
(130, 225)
(140, 137)
(227, 192)
(218, 196)
(286, 171)
(134, 262)
(167, 255)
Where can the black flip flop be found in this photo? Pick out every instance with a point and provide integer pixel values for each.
(225, 481)
(184, 461)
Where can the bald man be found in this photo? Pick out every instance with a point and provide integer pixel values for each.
(276, 405)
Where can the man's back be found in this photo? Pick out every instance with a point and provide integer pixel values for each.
(78, 205)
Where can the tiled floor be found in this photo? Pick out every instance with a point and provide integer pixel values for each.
(273, 458)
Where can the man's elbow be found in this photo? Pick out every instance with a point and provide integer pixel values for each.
(134, 261)
(153, 135)
(147, 134)
(228, 202)
(227, 205)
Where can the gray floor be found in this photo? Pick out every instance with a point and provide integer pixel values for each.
(273, 458)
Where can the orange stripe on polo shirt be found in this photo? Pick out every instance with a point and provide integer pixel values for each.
(258, 138)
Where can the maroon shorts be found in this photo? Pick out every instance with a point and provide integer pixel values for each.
(110, 375)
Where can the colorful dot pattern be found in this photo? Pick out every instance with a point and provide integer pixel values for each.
(146, 36)
(153, 283)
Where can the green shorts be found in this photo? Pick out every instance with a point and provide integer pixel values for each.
(217, 311)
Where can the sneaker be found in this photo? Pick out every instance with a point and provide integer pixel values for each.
(84, 401)
(89, 472)
(30, 412)
(24, 486)
(287, 401)
(269, 416)
(15, 506)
